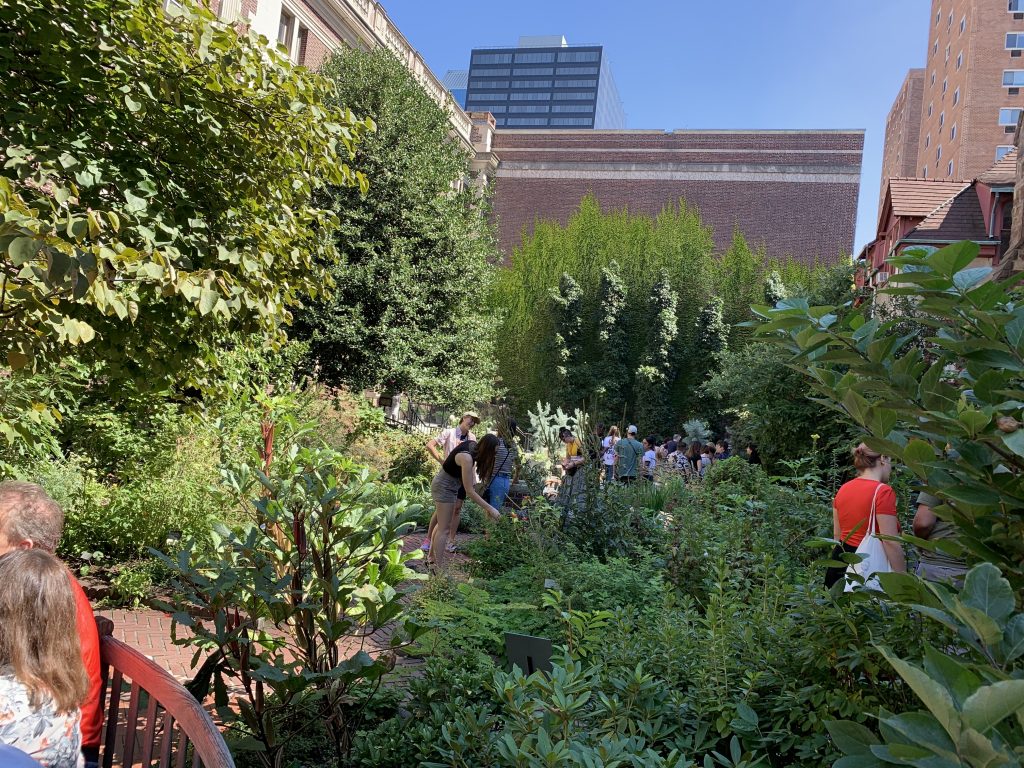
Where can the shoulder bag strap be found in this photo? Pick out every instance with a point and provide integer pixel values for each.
(872, 521)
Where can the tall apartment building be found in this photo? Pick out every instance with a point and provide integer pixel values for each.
(972, 91)
(545, 83)
(903, 131)
(456, 80)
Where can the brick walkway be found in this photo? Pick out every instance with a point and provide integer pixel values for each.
(149, 630)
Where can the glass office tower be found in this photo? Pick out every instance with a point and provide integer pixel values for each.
(544, 83)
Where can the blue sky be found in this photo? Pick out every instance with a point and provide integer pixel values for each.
(713, 64)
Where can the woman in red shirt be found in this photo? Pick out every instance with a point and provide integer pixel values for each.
(851, 511)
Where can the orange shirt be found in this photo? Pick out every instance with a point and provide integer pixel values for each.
(853, 506)
(92, 716)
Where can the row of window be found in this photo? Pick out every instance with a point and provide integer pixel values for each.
(535, 71)
(535, 121)
(533, 83)
(533, 96)
(535, 57)
(496, 109)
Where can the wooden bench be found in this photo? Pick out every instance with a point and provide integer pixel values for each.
(158, 722)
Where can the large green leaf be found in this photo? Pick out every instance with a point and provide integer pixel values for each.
(987, 590)
(932, 694)
(991, 704)
(850, 737)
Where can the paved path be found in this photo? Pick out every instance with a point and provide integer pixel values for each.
(149, 630)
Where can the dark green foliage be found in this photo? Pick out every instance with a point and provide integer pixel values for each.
(407, 313)
(613, 374)
(657, 371)
(710, 340)
(571, 374)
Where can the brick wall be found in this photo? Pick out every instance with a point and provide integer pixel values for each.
(793, 192)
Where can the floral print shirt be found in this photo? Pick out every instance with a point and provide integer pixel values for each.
(55, 740)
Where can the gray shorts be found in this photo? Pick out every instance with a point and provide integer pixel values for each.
(444, 489)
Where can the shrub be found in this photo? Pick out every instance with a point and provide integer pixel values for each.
(746, 477)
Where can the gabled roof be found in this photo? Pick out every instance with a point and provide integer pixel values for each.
(959, 218)
(1003, 173)
(916, 198)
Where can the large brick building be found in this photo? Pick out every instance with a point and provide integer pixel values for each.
(794, 192)
(971, 95)
(903, 131)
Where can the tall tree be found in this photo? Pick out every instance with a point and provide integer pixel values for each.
(657, 373)
(612, 374)
(711, 340)
(740, 285)
(408, 313)
(572, 381)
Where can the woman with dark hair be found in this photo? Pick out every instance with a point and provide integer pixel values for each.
(43, 682)
(693, 457)
(455, 476)
(867, 495)
(752, 455)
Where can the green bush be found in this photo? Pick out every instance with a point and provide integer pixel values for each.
(747, 477)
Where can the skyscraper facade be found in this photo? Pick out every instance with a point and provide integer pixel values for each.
(971, 94)
(544, 83)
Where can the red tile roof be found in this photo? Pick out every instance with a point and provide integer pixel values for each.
(959, 218)
(916, 198)
(1003, 173)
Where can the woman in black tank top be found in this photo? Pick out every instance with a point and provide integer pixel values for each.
(456, 473)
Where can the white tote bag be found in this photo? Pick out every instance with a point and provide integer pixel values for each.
(872, 552)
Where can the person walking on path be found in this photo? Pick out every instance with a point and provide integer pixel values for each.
(455, 480)
(936, 565)
(439, 448)
(852, 507)
(650, 446)
(628, 454)
(505, 458)
(572, 465)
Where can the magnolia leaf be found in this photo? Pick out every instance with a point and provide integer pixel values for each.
(986, 590)
(991, 704)
(932, 694)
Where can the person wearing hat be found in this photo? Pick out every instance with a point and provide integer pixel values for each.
(439, 447)
(628, 451)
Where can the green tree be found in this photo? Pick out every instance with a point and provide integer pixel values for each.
(572, 382)
(408, 313)
(657, 373)
(740, 285)
(612, 374)
(157, 187)
(711, 339)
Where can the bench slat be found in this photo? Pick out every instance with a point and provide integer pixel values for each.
(114, 691)
(168, 740)
(149, 735)
(182, 750)
(131, 724)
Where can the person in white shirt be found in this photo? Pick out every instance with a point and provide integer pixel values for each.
(439, 447)
(650, 457)
(608, 455)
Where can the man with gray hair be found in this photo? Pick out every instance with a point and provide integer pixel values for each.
(30, 518)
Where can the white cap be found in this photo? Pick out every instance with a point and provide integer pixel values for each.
(631, 430)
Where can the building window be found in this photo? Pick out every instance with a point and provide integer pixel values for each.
(959, 60)
(942, 119)
(286, 29)
(1009, 115)
(963, 24)
(956, 97)
(487, 97)
(494, 109)
(576, 84)
(490, 71)
(935, 47)
(938, 153)
(534, 108)
(534, 71)
(949, 21)
(571, 108)
(537, 57)
(927, 141)
(945, 84)
(1014, 40)
(1002, 151)
(924, 172)
(1016, 6)
(576, 56)
(576, 71)
(587, 121)
(947, 53)
(575, 95)
(488, 83)
(531, 83)
(492, 58)
(938, 15)
(529, 97)
(930, 108)
(527, 121)
(949, 168)
(952, 132)
(1013, 77)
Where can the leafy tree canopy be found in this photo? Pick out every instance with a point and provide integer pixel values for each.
(407, 314)
(157, 185)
